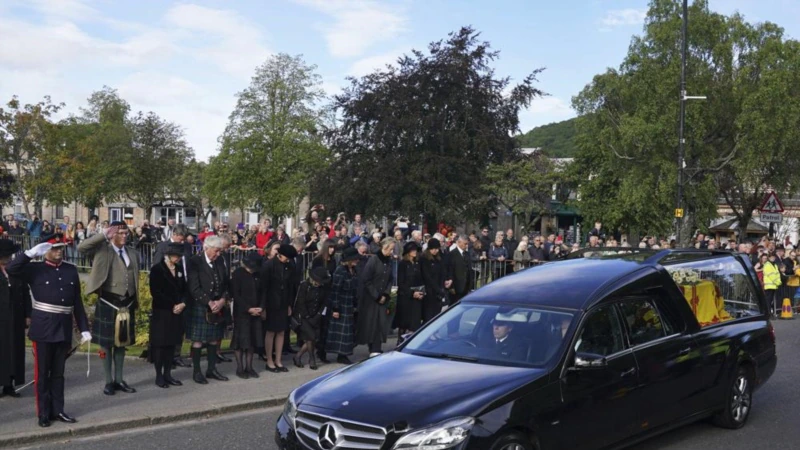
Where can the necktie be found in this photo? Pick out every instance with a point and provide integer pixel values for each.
(122, 256)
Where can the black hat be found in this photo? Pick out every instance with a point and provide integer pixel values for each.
(320, 275)
(410, 246)
(350, 254)
(118, 223)
(175, 248)
(56, 238)
(8, 247)
(253, 261)
(779, 247)
(434, 243)
(287, 251)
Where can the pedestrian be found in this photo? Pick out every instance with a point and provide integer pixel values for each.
(15, 318)
(276, 292)
(343, 297)
(325, 257)
(307, 314)
(497, 256)
(433, 276)
(410, 291)
(772, 282)
(522, 258)
(247, 308)
(209, 292)
(115, 280)
(375, 284)
(168, 287)
(55, 299)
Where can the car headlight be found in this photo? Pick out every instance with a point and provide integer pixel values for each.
(441, 436)
(290, 410)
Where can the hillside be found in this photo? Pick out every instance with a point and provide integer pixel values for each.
(556, 139)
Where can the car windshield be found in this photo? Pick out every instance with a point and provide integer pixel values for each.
(493, 334)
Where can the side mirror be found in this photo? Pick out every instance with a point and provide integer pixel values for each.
(585, 361)
(403, 339)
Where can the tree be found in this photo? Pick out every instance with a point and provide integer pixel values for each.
(23, 134)
(523, 186)
(418, 136)
(737, 143)
(272, 146)
(557, 140)
(159, 154)
(189, 188)
(87, 157)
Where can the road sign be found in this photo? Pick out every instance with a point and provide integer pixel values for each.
(679, 213)
(771, 217)
(771, 204)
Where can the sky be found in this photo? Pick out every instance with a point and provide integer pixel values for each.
(186, 60)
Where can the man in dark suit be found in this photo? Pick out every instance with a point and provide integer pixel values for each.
(460, 270)
(209, 283)
(506, 344)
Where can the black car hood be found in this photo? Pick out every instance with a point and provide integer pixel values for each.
(419, 390)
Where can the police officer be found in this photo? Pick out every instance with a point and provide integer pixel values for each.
(55, 300)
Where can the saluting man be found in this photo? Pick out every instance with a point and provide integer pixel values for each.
(115, 279)
(55, 300)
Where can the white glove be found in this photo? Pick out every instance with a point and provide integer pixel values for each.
(86, 336)
(39, 250)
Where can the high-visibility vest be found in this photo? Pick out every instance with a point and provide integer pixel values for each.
(772, 276)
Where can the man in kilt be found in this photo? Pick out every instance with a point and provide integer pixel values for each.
(115, 280)
(343, 297)
(209, 282)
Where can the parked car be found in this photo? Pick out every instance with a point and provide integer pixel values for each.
(594, 352)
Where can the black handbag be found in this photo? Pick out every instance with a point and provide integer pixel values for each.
(294, 323)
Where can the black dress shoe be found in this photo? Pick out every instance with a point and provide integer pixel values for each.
(272, 369)
(172, 381)
(252, 373)
(215, 375)
(162, 384)
(44, 422)
(63, 417)
(199, 378)
(123, 386)
(242, 374)
(282, 369)
(223, 358)
(109, 389)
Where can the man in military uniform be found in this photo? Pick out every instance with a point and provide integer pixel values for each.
(209, 283)
(55, 300)
(115, 279)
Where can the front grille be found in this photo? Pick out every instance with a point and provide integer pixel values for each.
(347, 435)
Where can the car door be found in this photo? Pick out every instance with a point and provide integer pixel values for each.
(599, 403)
(670, 365)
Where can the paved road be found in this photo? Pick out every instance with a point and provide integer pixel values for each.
(773, 423)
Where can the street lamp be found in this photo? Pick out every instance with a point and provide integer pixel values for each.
(682, 140)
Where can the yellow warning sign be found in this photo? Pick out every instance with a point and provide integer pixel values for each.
(679, 213)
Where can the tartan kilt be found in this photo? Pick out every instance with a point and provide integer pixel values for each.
(198, 330)
(105, 322)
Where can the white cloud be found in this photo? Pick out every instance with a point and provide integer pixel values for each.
(622, 17)
(358, 24)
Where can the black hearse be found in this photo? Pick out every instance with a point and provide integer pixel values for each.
(594, 352)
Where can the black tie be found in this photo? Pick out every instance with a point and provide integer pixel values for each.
(122, 257)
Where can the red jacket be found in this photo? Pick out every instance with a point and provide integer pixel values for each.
(263, 239)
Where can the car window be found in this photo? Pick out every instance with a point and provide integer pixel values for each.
(717, 290)
(493, 334)
(601, 333)
(644, 322)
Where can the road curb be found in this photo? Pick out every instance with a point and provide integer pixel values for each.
(136, 422)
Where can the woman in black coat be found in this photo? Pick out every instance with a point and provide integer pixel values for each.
(169, 290)
(247, 330)
(433, 277)
(311, 297)
(325, 258)
(275, 291)
(410, 291)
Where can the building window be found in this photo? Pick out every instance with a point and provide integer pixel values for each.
(114, 214)
(60, 212)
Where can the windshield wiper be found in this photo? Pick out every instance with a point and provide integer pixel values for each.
(454, 357)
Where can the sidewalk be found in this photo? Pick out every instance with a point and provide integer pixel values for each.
(150, 405)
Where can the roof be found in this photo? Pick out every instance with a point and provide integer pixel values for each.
(754, 226)
(565, 284)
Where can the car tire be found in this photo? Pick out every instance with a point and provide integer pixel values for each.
(738, 401)
(513, 441)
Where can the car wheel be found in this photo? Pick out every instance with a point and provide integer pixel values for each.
(738, 402)
(512, 441)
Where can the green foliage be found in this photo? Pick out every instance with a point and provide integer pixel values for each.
(738, 142)
(556, 140)
(523, 186)
(272, 145)
(418, 136)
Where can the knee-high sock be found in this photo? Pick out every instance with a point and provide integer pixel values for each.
(119, 363)
(212, 357)
(196, 359)
(107, 362)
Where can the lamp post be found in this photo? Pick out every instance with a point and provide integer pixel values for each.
(682, 140)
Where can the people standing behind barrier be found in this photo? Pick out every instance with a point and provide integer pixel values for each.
(522, 258)
(432, 270)
(325, 257)
(793, 280)
(460, 271)
(248, 333)
(772, 282)
(511, 244)
(480, 264)
(34, 227)
(410, 291)
(537, 252)
(47, 228)
(375, 284)
(375, 243)
(168, 287)
(497, 256)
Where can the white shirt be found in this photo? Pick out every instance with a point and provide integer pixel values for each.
(500, 341)
(124, 254)
(210, 263)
